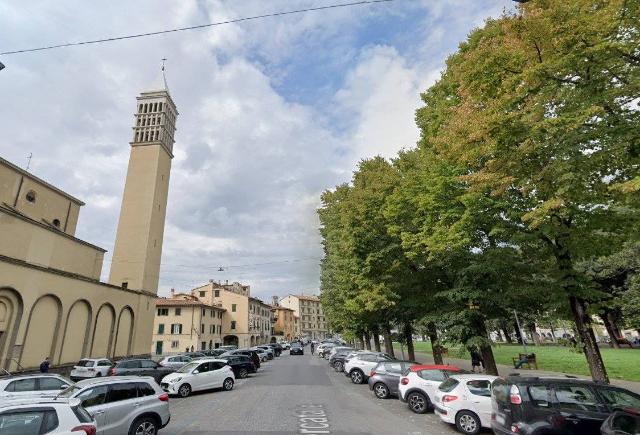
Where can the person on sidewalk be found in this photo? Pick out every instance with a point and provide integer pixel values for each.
(476, 360)
(313, 348)
(44, 366)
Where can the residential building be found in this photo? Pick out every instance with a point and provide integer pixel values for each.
(312, 322)
(52, 302)
(260, 322)
(183, 323)
(285, 323)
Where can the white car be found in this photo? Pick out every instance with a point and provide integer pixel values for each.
(285, 345)
(264, 356)
(43, 384)
(465, 400)
(419, 384)
(175, 362)
(45, 415)
(203, 374)
(359, 366)
(320, 350)
(90, 368)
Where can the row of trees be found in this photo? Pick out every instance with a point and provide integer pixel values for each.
(520, 195)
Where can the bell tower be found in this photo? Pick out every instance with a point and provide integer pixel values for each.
(138, 247)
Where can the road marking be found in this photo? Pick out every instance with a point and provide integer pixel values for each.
(312, 419)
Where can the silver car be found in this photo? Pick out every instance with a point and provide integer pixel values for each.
(43, 384)
(123, 404)
(45, 415)
(175, 362)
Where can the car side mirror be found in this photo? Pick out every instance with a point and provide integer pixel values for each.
(195, 372)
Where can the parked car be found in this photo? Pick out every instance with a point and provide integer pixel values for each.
(385, 377)
(212, 353)
(90, 368)
(204, 374)
(42, 384)
(252, 354)
(175, 362)
(296, 349)
(228, 347)
(140, 367)
(195, 355)
(322, 347)
(240, 364)
(123, 405)
(622, 422)
(338, 359)
(277, 349)
(418, 385)
(527, 405)
(360, 365)
(336, 349)
(270, 352)
(45, 415)
(264, 356)
(285, 345)
(465, 400)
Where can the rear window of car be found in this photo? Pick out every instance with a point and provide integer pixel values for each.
(621, 399)
(28, 421)
(479, 387)
(500, 391)
(432, 375)
(627, 424)
(448, 385)
(82, 414)
(85, 363)
(129, 364)
(144, 389)
(539, 395)
(576, 397)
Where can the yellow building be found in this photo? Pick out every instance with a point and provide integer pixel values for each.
(184, 324)
(285, 323)
(52, 302)
(312, 323)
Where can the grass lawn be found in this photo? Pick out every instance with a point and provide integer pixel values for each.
(620, 363)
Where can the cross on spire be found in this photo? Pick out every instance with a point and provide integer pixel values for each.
(164, 77)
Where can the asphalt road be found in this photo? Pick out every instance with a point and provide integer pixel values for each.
(297, 395)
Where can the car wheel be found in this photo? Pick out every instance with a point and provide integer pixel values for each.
(418, 402)
(357, 377)
(243, 373)
(184, 390)
(381, 391)
(468, 423)
(227, 385)
(144, 426)
(338, 366)
(98, 375)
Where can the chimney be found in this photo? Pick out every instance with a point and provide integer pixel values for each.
(211, 281)
(226, 282)
(173, 292)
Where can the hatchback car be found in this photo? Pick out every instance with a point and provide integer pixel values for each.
(175, 362)
(418, 385)
(338, 359)
(204, 374)
(45, 416)
(528, 405)
(360, 365)
(43, 384)
(465, 400)
(296, 349)
(140, 367)
(123, 405)
(270, 351)
(240, 364)
(90, 368)
(252, 354)
(385, 377)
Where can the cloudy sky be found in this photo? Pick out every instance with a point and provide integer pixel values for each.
(272, 112)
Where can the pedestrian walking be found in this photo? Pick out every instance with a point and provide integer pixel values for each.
(476, 360)
(44, 366)
(313, 348)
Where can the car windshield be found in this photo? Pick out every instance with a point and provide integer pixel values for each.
(296, 345)
(188, 367)
(448, 385)
(85, 363)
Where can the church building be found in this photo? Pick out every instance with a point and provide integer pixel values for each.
(52, 301)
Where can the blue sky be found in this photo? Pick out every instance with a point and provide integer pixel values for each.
(272, 113)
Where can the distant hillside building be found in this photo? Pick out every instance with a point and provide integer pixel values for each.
(52, 302)
(308, 309)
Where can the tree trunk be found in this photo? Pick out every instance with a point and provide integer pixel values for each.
(553, 332)
(505, 330)
(488, 360)
(376, 338)
(436, 348)
(408, 336)
(518, 332)
(360, 342)
(591, 350)
(534, 335)
(610, 328)
(388, 343)
(367, 340)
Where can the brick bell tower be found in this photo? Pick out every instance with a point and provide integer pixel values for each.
(138, 246)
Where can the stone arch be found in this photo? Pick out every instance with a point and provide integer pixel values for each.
(11, 308)
(124, 333)
(252, 341)
(42, 331)
(103, 331)
(230, 340)
(273, 340)
(76, 332)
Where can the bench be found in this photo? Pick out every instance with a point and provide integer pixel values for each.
(531, 361)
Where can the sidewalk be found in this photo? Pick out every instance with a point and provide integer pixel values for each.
(504, 370)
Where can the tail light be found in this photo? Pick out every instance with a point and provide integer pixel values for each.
(112, 371)
(163, 397)
(88, 429)
(404, 381)
(449, 398)
(372, 373)
(160, 364)
(514, 395)
(515, 428)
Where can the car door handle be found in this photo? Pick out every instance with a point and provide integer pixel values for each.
(98, 413)
(137, 404)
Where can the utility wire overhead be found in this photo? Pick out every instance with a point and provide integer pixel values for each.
(200, 26)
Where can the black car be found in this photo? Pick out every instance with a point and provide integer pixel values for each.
(240, 364)
(252, 354)
(622, 422)
(277, 348)
(531, 405)
(296, 349)
(385, 377)
(140, 367)
(337, 359)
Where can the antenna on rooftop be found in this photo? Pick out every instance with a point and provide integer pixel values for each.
(29, 160)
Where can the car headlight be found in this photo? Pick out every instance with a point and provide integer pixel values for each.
(174, 380)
